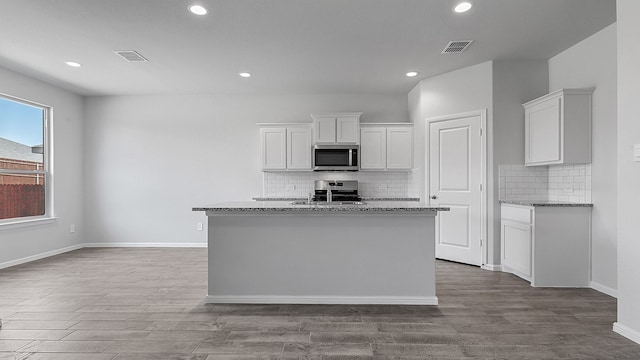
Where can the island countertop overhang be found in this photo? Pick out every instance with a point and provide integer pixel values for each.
(282, 207)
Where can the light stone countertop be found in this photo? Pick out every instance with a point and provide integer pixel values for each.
(364, 198)
(546, 203)
(286, 207)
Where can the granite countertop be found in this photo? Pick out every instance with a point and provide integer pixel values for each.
(363, 199)
(287, 207)
(547, 203)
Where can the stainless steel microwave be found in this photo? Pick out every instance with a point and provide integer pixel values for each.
(336, 157)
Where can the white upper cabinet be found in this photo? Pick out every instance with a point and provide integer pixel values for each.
(299, 148)
(373, 148)
(325, 130)
(400, 147)
(274, 148)
(386, 146)
(558, 128)
(285, 146)
(347, 129)
(342, 128)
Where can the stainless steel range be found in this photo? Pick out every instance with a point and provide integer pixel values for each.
(339, 190)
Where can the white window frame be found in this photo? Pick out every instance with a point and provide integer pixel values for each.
(46, 172)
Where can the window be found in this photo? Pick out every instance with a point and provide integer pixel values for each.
(24, 166)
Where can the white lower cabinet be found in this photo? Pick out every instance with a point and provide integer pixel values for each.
(547, 245)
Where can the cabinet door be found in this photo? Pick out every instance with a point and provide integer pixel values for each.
(274, 148)
(347, 129)
(299, 148)
(543, 132)
(400, 148)
(373, 148)
(516, 247)
(325, 130)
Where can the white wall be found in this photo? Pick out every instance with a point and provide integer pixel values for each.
(592, 63)
(628, 171)
(150, 159)
(26, 242)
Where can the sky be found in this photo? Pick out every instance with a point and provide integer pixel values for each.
(21, 123)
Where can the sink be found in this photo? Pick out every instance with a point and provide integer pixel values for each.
(333, 203)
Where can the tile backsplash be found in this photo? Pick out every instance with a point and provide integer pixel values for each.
(370, 184)
(554, 182)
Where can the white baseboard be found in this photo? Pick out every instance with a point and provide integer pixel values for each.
(491, 267)
(145, 244)
(40, 256)
(604, 289)
(627, 332)
(353, 300)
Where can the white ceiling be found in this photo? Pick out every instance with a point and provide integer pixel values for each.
(290, 46)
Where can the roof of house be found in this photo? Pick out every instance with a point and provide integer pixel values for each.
(17, 151)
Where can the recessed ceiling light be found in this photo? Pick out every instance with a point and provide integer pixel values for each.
(198, 9)
(412, 73)
(245, 74)
(463, 7)
(73, 64)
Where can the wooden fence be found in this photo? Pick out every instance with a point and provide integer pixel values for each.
(21, 200)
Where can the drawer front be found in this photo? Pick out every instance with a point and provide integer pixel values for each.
(517, 213)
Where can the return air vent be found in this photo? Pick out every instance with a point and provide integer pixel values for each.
(131, 55)
(456, 47)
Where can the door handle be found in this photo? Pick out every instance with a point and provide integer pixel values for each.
(433, 197)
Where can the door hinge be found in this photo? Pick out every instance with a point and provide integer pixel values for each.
(480, 242)
(481, 132)
(480, 187)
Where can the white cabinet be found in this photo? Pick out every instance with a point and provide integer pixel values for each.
(274, 148)
(400, 147)
(285, 146)
(342, 128)
(373, 148)
(299, 148)
(515, 236)
(546, 245)
(558, 128)
(386, 146)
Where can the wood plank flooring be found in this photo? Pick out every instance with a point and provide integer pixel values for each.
(132, 303)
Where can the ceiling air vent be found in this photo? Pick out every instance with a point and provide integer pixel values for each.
(456, 47)
(131, 55)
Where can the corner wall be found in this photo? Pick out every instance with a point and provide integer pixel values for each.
(501, 87)
(459, 91)
(628, 171)
(27, 243)
(592, 63)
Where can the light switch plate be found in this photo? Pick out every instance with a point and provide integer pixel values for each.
(636, 152)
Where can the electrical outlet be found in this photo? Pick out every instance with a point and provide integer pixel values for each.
(72, 228)
(199, 226)
(291, 187)
(568, 189)
(383, 187)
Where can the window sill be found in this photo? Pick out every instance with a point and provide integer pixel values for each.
(16, 224)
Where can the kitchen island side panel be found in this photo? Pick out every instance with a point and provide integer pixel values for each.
(369, 259)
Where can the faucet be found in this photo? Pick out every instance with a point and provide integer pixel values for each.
(329, 194)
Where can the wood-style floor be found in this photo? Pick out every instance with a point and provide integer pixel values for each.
(128, 303)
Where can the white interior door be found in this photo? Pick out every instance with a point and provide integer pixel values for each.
(455, 174)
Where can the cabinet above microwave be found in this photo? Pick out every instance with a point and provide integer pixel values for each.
(336, 128)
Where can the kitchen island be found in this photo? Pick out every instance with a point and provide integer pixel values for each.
(275, 252)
